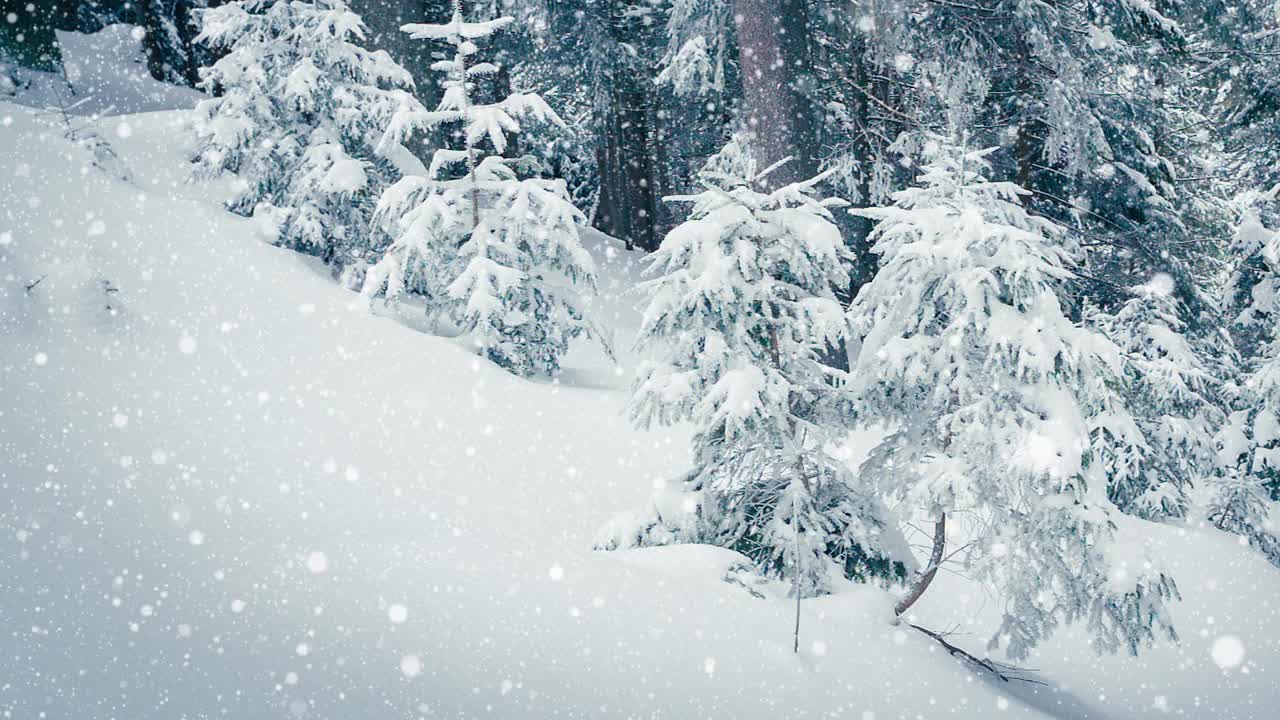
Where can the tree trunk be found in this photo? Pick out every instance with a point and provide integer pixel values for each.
(637, 161)
(616, 217)
(935, 560)
(659, 172)
(865, 262)
(795, 529)
(628, 166)
(1028, 147)
(609, 211)
(773, 57)
(1029, 144)
(185, 25)
(162, 63)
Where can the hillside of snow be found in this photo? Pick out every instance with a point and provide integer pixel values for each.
(230, 489)
(104, 73)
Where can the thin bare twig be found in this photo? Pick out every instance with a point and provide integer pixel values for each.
(1006, 673)
(39, 280)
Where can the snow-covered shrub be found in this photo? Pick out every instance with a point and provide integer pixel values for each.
(301, 120)
(1240, 505)
(987, 386)
(1157, 440)
(497, 253)
(737, 320)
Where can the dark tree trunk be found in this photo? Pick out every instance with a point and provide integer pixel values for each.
(659, 171)
(773, 57)
(156, 43)
(637, 163)
(627, 202)
(614, 216)
(1029, 145)
(186, 25)
(609, 209)
(1027, 148)
(628, 166)
(602, 212)
(859, 236)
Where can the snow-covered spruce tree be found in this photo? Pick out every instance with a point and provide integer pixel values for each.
(301, 120)
(737, 319)
(1253, 288)
(987, 386)
(497, 254)
(1155, 437)
(1240, 505)
(1264, 383)
(1250, 441)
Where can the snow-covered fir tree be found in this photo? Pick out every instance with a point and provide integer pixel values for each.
(986, 386)
(1243, 500)
(1253, 288)
(736, 323)
(302, 120)
(1155, 437)
(498, 254)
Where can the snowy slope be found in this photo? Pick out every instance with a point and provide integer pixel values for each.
(238, 493)
(1225, 665)
(105, 73)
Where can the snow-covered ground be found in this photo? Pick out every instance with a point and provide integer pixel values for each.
(105, 73)
(215, 497)
(228, 489)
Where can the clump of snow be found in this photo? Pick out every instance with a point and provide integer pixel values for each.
(1160, 285)
(1101, 38)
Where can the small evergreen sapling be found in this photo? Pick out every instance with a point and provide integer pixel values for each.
(497, 254)
(1157, 440)
(1240, 505)
(302, 120)
(986, 386)
(737, 320)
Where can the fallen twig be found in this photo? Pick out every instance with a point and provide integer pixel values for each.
(1005, 672)
(39, 280)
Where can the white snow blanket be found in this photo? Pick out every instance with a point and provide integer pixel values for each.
(227, 489)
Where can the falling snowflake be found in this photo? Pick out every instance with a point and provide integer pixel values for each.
(1227, 651)
(317, 562)
(410, 665)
